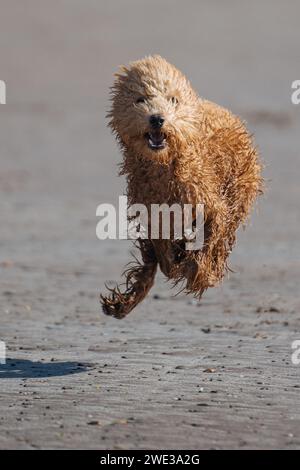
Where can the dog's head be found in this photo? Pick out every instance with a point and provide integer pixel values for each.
(155, 111)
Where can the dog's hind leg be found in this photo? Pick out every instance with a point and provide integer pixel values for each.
(201, 269)
(139, 280)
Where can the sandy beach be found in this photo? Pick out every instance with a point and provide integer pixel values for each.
(176, 373)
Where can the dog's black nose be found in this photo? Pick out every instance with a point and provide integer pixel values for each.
(156, 121)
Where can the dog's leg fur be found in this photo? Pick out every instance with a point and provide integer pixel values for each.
(139, 280)
(204, 268)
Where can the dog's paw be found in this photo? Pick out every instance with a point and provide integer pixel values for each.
(113, 309)
(115, 305)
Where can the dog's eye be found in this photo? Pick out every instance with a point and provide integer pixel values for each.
(141, 99)
(174, 100)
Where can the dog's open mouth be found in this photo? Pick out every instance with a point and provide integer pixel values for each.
(156, 140)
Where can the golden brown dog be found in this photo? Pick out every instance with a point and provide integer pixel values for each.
(180, 148)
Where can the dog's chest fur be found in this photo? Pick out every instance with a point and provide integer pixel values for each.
(180, 181)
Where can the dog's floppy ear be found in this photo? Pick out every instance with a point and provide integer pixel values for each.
(120, 76)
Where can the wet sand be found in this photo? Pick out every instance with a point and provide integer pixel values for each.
(175, 373)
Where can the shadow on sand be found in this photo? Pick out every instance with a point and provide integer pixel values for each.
(21, 368)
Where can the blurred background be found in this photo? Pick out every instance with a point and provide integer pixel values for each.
(58, 161)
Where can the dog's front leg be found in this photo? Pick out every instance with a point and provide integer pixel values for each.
(139, 280)
(206, 267)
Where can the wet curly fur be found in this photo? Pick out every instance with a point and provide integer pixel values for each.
(208, 157)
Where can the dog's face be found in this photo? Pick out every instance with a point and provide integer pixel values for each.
(155, 111)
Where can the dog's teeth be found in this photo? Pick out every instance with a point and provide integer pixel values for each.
(155, 141)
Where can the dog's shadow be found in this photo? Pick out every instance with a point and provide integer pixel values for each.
(26, 369)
